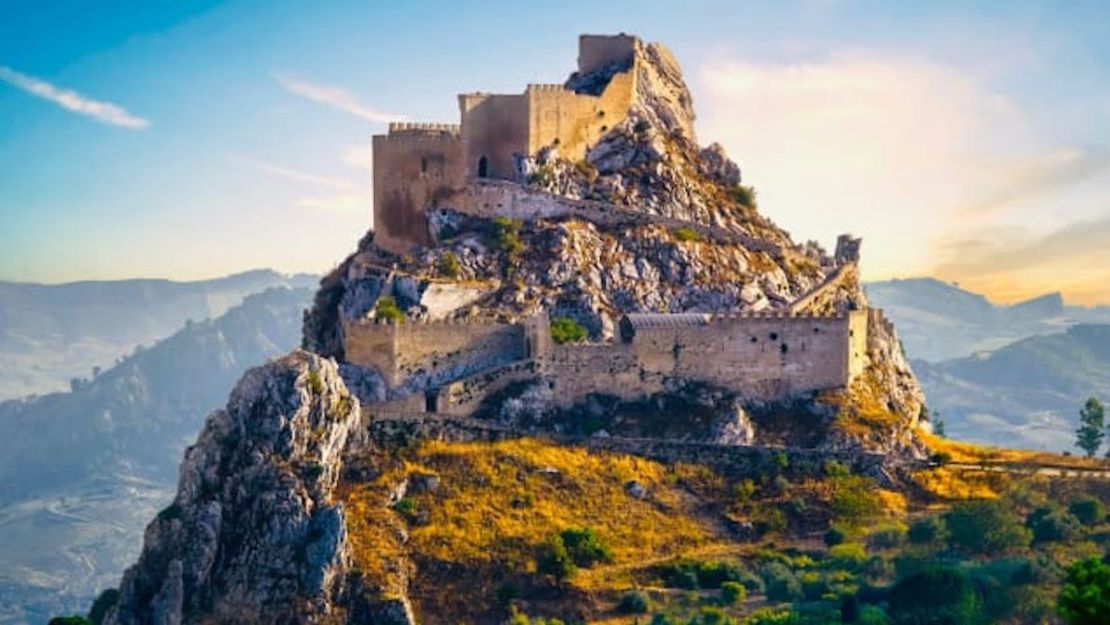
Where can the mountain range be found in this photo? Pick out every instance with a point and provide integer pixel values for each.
(51, 334)
(82, 470)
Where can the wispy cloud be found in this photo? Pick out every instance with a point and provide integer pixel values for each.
(358, 156)
(104, 112)
(294, 174)
(1043, 174)
(335, 97)
(337, 203)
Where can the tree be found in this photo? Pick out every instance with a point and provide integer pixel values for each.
(938, 424)
(984, 527)
(936, 596)
(1092, 421)
(1085, 597)
(553, 559)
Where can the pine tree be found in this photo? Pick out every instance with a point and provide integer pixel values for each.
(1092, 420)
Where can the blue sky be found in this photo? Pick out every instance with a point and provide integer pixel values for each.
(193, 139)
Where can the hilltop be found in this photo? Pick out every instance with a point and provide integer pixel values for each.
(572, 367)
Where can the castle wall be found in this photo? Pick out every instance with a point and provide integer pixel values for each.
(494, 127)
(442, 351)
(413, 164)
(573, 121)
(597, 51)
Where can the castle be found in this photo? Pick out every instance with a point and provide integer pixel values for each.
(451, 366)
(416, 165)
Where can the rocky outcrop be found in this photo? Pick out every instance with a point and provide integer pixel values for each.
(253, 535)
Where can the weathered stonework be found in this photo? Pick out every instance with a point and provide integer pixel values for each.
(416, 165)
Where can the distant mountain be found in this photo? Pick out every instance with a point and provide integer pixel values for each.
(939, 321)
(1026, 394)
(51, 333)
(81, 471)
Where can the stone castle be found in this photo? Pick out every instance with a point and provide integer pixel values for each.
(417, 165)
(451, 366)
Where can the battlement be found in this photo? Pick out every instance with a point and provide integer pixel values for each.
(423, 128)
(544, 87)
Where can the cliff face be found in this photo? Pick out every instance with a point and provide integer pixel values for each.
(254, 535)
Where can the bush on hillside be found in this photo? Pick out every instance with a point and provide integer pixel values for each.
(1088, 510)
(633, 602)
(387, 310)
(585, 547)
(567, 330)
(984, 528)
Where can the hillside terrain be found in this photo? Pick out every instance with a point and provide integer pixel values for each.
(53, 333)
(1025, 394)
(82, 471)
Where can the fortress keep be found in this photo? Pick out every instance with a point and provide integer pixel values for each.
(417, 164)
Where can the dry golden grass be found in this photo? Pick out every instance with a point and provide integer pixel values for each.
(498, 501)
(970, 453)
(951, 484)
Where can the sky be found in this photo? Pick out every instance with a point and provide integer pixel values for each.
(965, 141)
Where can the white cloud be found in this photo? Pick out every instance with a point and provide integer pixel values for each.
(358, 156)
(295, 174)
(904, 151)
(104, 112)
(335, 97)
(344, 203)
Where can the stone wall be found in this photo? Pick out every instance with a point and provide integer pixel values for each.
(597, 51)
(495, 128)
(765, 357)
(438, 352)
(413, 164)
(572, 121)
(496, 198)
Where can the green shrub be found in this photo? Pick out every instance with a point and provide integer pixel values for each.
(1088, 510)
(887, 536)
(449, 265)
(663, 619)
(733, 593)
(554, 560)
(1085, 597)
(315, 384)
(387, 310)
(70, 620)
(780, 582)
(834, 536)
(706, 574)
(847, 556)
(936, 595)
(743, 195)
(872, 615)
(929, 530)
(633, 602)
(406, 507)
(685, 233)
(1049, 525)
(984, 528)
(506, 236)
(855, 502)
(713, 616)
(567, 330)
(585, 547)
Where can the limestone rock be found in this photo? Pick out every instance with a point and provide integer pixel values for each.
(253, 529)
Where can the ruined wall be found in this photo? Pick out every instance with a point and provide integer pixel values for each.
(573, 121)
(760, 356)
(494, 127)
(578, 370)
(858, 324)
(440, 350)
(597, 51)
(413, 164)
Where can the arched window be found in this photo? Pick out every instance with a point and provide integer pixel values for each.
(483, 167)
